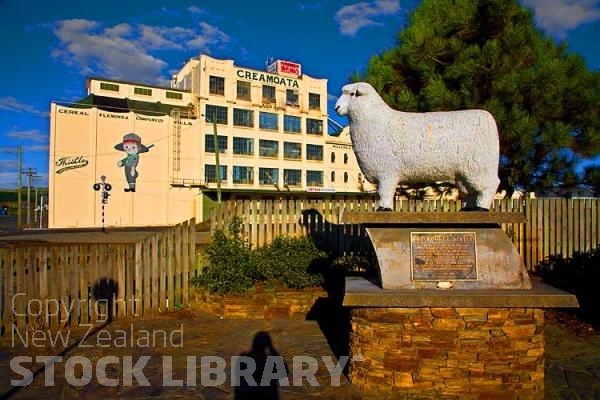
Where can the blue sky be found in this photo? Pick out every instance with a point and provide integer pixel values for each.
(49, 48)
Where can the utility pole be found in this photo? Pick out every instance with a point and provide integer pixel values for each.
(19, 185)
(35, 202)
(30, 173)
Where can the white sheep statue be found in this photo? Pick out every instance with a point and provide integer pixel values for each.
(394, 147)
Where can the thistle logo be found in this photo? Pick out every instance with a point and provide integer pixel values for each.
(66, 163)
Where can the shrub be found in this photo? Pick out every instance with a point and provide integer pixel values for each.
(292, 262)
(579, 275)
(233, 267)
(230, 268)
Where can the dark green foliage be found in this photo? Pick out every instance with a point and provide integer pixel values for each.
(233, 267)
(487, 54)
(579, 275)
(292, 262)
(592, 180)
(230, 268)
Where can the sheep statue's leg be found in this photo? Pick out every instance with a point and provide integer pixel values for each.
(467, 197)
(485, 197)
(470, 196)
(479, 196)
(386, 190)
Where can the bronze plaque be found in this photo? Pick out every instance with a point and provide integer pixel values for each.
(443, 256)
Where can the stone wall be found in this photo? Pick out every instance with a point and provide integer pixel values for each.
(449, 353)
(265, 304)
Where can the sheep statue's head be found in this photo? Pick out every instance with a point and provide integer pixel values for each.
(352, 93)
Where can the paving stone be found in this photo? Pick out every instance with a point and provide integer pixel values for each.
(571, 371)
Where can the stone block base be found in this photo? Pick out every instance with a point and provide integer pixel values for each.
(448, 353)
(294, 304)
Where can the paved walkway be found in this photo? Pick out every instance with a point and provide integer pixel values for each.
(572, 362)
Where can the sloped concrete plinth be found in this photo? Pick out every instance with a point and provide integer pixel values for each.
(496, 262)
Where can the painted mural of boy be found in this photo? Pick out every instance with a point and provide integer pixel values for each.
(132, 145)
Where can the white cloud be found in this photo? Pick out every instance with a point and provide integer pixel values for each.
(557, 17)
(126, 51)
(353, 17)
(210, 35)
(11, 104)
(37, 148)
(32, 134)
(8, 165)
(308, 6)
(8, 179)
(195, 10)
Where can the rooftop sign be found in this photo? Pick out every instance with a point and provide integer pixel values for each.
(285, 68)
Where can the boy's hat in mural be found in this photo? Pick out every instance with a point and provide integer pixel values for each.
(132, 137)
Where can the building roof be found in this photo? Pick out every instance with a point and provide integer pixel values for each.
(146, 85)
(115, 104)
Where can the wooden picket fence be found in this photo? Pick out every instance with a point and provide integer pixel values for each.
(553, 225)
(59, 285)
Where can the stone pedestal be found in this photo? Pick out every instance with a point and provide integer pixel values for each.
(454, 315)
(451, 344)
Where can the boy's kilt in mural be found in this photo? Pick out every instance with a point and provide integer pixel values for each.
(132, 145)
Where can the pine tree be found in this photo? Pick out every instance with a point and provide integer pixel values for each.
(487, 54)
(592, 179)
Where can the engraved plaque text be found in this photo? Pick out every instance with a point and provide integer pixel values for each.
(443, 256)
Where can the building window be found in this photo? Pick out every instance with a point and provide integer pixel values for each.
(332, 176)
(314, 101)
(244, 175)
(268, 176)
(314, 178)
(243, 90)
(268, 148)
(345, 158)
(314, 152)
(268, 121)
(109, 86)
(174, 95)
(210, 173)
(292, 150)
(268, 94)
(243, 117)
(142, 91)
(314, 126)
(332, 157)
(216, 114)
(291, 98)
(244, 146)
(292, 177)
(345, 177)
(291, 124)
(216, 85)
(209, 143)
